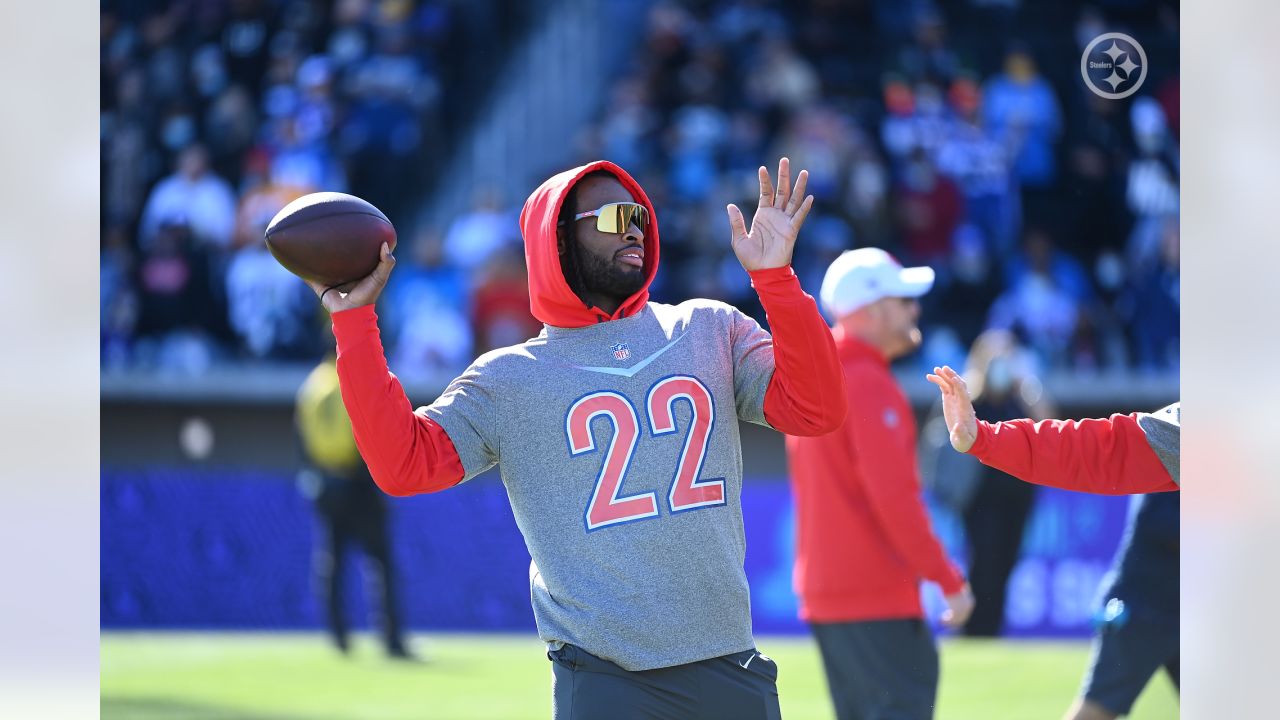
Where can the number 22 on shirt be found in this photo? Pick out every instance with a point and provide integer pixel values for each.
(608, 506)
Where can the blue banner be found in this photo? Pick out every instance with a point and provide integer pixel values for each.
(1070, 541)
(232, 549)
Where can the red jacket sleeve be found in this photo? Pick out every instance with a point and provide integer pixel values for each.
(1107, 457)
(407, 453)
(886, 463)
(806, 393)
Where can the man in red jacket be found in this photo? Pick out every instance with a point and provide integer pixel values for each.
(1119, 455)
(864, 539)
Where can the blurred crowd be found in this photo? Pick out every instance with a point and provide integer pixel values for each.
(932, 130)
(216, 113)
(936, 130)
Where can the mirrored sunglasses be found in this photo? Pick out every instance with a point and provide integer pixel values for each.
(617, 217)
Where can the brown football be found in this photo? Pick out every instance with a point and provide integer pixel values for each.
(329, 237)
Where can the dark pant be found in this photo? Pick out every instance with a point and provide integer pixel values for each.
(880, 669)
(741, 686)
(994, 523)
(352, 514)
(1125, 658)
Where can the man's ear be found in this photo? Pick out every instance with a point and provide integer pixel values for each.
(560, 240)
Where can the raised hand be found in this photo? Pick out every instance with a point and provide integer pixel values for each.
(957, 408)
(776, 223)
(364, 291)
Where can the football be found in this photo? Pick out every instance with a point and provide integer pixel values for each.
(329, 237)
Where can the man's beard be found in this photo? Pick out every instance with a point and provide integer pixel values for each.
(608, 277)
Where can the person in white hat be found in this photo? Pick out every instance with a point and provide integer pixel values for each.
(864, 541)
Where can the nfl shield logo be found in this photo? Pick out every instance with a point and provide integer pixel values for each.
(620, 351)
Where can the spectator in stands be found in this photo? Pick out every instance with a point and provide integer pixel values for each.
(126, 154)
(170, 278)
(262, 195)
(392, 96)
(246, 39)
(500, 314)
(1041, 254)
(897, 133)
(747, 142)
(1152, 190)
(477, 234)
(866, 198)
(1151, 305)
(822, 138)
(929, 57)
(427, 315)
(781, 78)
(316, 114)
(1036, 306)
(898, 20)
(177, 305)
(268, 307)
(698, 132)
(1042, 313)
(195, 196)
(919, 121)
(1096, 157)
(628, 129)
(307, 165)
(745, 22)
(231, 128)
(1021, 108)
(929, 210)
(970, 281)
(979, 163)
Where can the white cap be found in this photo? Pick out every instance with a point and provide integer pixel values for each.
(863, 276)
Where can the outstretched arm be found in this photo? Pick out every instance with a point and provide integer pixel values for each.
(406, 452)
(805, 395)
(1105, 456)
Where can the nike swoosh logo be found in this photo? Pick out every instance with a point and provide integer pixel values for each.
(631, 371)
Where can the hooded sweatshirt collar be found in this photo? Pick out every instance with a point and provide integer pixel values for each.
(550, 297)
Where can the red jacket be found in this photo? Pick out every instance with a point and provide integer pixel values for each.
(864, 540)
(407, 453)
(1107, 457)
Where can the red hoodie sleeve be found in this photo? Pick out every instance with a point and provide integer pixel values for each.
(1107, 457)
(886, 463)
(407, 453)
(806, 394)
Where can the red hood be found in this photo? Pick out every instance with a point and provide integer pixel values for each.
(550, 298)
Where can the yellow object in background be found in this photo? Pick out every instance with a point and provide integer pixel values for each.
(323, 423)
